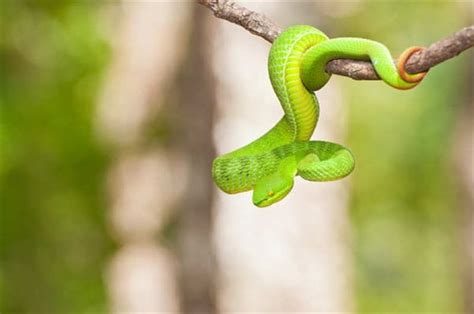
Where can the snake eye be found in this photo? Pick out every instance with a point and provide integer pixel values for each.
(271, 193)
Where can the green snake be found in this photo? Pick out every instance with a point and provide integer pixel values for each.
(296, 65)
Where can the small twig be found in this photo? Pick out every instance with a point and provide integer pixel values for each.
(256, 23)
(262, 26)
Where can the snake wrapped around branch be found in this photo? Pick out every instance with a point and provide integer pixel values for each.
(296, 67)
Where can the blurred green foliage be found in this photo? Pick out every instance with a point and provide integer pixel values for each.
(404, 209)
(53, 240)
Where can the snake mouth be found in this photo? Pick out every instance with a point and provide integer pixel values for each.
(275, 197)
(264, 202)
(261, 204)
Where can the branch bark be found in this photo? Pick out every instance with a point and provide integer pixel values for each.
(260, 25)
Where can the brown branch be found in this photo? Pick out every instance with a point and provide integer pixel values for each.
(256, 23)
(262, 26)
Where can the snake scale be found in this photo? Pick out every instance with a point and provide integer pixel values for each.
(296, 66)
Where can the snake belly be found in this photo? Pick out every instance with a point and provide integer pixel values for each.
(296, 67)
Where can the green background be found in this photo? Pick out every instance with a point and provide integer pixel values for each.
(404, 208)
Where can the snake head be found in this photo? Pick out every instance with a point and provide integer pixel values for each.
(272, 189)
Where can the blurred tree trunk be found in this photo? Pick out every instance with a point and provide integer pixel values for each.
(145, 178)
(294, 255)
(195, 92)
(464, 155)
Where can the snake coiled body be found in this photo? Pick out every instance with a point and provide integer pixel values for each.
(296, 67)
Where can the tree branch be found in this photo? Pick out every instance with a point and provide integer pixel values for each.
(258, 24)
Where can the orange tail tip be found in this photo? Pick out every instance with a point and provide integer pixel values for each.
(402, 60)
